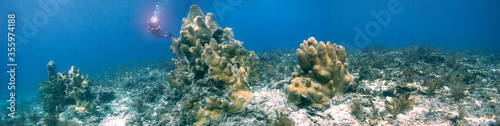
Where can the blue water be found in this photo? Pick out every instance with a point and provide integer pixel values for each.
(96, 34)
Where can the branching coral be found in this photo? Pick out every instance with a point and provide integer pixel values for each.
(78, 88)
(252, 67)
(211, 53)
(213, 109)
(197, 31)
(219, 69)
(324, 67)
(239, 94)
(179, 77)
(63, 88)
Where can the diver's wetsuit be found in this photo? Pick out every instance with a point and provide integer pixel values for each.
(155, 29)
(154, 25)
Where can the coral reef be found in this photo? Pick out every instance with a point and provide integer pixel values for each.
(324, 67)
(213, 80)
(357, 110)
(213, 110)
(140, 94)
(78, 89)
(61, 88)
(215, 58)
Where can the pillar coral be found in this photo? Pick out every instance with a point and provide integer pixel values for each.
(212, 53)
(323, 74)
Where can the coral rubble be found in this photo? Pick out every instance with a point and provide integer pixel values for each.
(324, 70)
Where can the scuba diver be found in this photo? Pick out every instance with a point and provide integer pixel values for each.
(154, 24)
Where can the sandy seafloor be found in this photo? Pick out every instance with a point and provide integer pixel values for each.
(380, 78)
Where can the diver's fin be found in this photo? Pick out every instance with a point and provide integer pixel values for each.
(170, 36)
